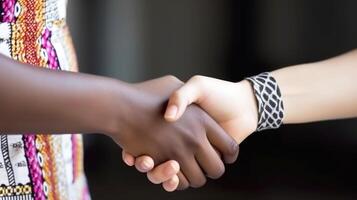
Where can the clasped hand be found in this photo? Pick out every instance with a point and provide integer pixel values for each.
(179, 144)
(195, 141)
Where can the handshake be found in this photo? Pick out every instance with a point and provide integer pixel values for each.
(180, 134)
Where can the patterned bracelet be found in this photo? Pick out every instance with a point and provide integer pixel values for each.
(270, 103)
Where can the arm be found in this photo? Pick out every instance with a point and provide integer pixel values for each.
(319, 91)
(42, 100)
(311, 92)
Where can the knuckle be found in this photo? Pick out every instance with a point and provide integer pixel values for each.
(199, 183)
(183, 186)
(233, 148)
(197, 78)
(152, 178)
(219, 173)
(172, 78)
(232, 153)
(204, 118)
(178, 97)
(196, 143)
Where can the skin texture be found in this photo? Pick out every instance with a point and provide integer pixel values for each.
(311, 92)
(41, 100)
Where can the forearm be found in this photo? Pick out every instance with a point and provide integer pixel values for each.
(41, 100)
(319, 91)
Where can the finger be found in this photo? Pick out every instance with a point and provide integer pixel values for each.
(222, 141)
(183, 182)
(128, 158)
(163, 172)
(210, 161)
(144, 164)
(193, 173)
(171, 184)
(180, 99)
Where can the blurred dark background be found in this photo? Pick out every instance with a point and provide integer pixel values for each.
(136, 40)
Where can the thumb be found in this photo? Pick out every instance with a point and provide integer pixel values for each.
(181, 98)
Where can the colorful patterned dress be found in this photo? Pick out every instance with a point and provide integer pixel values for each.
(36, 165)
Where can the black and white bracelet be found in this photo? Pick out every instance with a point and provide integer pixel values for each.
(269, 100)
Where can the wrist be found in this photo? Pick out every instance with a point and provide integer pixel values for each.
(108, 106)
(247, 95)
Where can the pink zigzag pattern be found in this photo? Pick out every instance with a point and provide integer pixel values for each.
(9, 10)
(34, 167)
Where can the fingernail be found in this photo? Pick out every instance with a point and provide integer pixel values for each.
(171, 112)
(126, 162)
(172, 183)
(172, 169)
(146, 165)
(175, 166)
